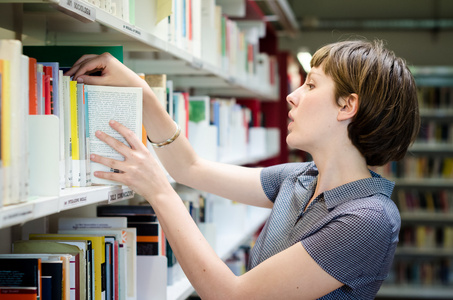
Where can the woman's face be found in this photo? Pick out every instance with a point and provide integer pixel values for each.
(313, 112)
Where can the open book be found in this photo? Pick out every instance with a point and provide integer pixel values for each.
(105, 103)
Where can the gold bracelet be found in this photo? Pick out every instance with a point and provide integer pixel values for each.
(169, 141)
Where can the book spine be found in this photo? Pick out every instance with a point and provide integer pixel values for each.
(74, 135)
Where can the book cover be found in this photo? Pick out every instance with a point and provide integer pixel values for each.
(23, 115)
(77, 262)
(53, 69)
(67, 55)
(67, 131)
(46, 282)
(11, 50)
(98, 246)
(105, 103)
(32, 90)
(127, 238)
(5, 132)
(158, 84)
(40, 89)
(82, 134)
(150, 237)
(16, 271)
(199, 110)
(18, 293)
(48, 103)
(54, 269)
(74, 134)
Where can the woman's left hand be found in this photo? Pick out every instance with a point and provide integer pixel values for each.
(139, 170)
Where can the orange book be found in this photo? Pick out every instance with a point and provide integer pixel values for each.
(33, 86)
(18, 293)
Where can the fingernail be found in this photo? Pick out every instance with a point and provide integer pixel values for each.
(79, 79)
(98, 133)
(92, 156)
(112, 122)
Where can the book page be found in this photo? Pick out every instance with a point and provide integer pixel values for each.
(122, 104)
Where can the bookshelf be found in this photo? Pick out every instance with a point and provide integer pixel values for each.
(423, 192)
(72, 23)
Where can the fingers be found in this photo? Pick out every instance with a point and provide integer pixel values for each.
(114, 143)
(130, 136)
(75, 67)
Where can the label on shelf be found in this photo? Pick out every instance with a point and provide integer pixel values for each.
(131, 29)
(79, 9)
(119, 195)
(197, 63)
(16, 215)
(76, 200)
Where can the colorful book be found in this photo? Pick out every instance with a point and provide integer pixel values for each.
(74, 134)
(77, 263)
(20, 272)
(98, 246)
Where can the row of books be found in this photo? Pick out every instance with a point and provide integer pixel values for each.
(201, 28)
(431, 97)
(435, 132)
(218, 125)
(419, 167)
(122, 9)
(97, 257)
(421, 272)
(427, 237)
(429, 201)
(217, 128)
(31, 87)
(87, 259)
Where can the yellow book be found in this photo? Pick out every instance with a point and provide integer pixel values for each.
(430, 202)
(74, 134)
(98, 246)
(6, 130)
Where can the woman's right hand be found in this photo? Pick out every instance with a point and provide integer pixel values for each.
(112, 71)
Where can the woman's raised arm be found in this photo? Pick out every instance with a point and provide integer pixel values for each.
(179, 159)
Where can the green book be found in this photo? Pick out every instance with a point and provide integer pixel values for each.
(66, 56)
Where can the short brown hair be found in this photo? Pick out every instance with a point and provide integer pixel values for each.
(387, 120)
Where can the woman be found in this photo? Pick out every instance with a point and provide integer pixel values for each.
(333, 229)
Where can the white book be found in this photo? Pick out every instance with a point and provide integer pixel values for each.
(74, 223)
(11, 50)
(24, 148)
(67, 131)
(105, 103)
(81, 122)
(62, 117)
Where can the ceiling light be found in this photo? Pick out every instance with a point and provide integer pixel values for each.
(304, 58)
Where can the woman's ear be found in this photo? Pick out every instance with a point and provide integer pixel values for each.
(349, 107)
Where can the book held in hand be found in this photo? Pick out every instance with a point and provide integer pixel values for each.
(105, 103)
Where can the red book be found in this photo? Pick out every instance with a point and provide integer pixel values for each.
(33, 86)
(48, 90)
(186, 105)
(18, 293)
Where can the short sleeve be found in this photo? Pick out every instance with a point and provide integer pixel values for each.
(353, 247)
(272, 177)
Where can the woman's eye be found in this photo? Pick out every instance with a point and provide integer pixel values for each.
(310, 86)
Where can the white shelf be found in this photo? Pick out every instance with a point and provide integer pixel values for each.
(424, 182)
(427, 217)
(424, 252)
(69, 198)
(225, 247)
(416, 292)
(432, 148)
